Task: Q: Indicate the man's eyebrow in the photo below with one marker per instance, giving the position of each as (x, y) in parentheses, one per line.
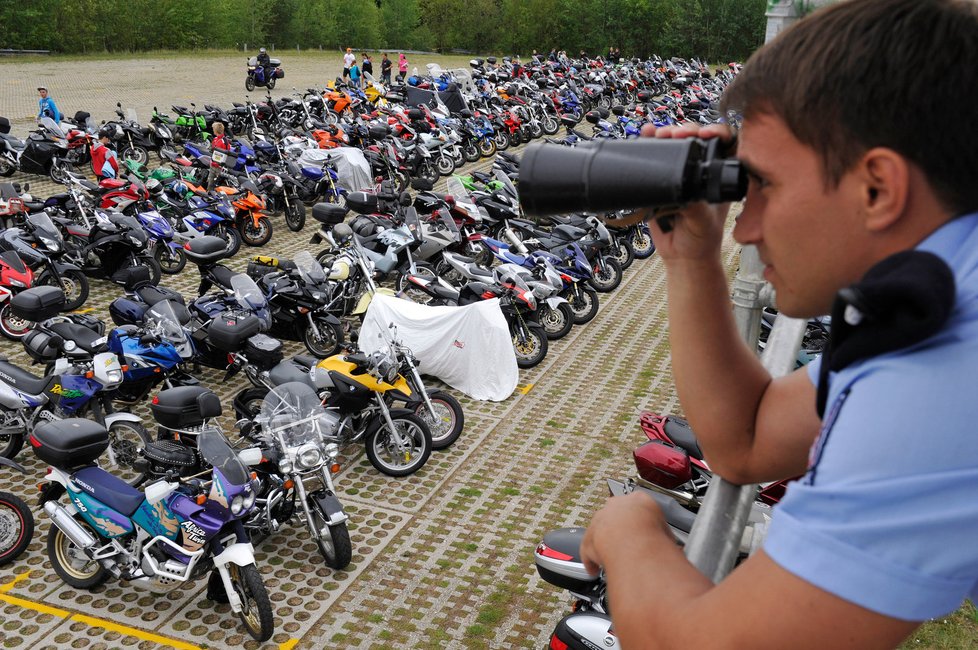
(752, 169)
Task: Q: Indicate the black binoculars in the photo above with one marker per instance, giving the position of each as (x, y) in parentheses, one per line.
(622, 174)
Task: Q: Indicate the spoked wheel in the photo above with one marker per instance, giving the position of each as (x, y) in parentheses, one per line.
(583, 303)
(531, 347)
(295, 215)
(16, 527)
(642, 242)
(13, 327)
(126, 439)
(402, 451)
(324, 344)
(556, 321)
(333, 541)
(607, 274)
(256, 234)
(171, 260)
(446, 422)
(256, 608)
(71, 563)
(73, 283)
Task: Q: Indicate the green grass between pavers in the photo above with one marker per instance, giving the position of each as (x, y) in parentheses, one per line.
(957, 631)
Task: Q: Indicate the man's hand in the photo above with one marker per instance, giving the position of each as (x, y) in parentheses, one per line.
(698, 231)
(624, 523)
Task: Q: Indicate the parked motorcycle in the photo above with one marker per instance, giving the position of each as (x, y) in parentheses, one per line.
(16, 521)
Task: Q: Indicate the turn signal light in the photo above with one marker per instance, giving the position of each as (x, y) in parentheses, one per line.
(288, 485)
(334, 468)
(201, 499)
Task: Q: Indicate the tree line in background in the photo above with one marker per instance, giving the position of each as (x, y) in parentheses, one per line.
(718, 30)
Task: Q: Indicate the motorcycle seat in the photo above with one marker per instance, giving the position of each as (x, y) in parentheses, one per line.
(171, 453)
(23, 380)
(305, 360)
(222, 275)
(110, 490)
(112, 183)
(680, 433)
(287, 371)
(81, 335)
(15, 143)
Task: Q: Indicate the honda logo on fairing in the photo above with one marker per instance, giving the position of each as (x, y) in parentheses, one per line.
(7, 378)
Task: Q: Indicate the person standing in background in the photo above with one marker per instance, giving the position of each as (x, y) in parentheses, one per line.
(348, 60)
(368, 65)
(385, 69)
(47, 107)
(402, 66)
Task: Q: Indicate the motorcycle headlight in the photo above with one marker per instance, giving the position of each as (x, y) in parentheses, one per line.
(135, 240)
(285, 465)
(318, 296)
(249, 499)
(51, 244)
(237, 505)
(114, 376)
(309, 456)
(331, 451)
(17, 283)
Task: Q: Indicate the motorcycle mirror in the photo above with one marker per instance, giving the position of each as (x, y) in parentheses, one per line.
(119, 104)
(27, 187)
(146, 339)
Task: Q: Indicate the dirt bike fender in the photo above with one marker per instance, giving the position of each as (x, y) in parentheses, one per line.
(240, 553)
(398, 412)
(112, 418)
(331, 507)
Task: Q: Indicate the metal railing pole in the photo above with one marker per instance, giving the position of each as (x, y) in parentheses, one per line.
(715, 539)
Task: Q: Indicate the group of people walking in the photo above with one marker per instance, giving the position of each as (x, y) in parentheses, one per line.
(355, 72)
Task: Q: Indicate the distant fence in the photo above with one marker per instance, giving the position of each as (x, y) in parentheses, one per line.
(10, 52)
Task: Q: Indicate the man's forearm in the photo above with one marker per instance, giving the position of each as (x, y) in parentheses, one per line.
(719, 380)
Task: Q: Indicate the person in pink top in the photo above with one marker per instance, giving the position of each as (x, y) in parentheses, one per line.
(401, 67)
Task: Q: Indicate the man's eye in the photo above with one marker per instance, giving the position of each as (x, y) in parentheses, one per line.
(760, 182)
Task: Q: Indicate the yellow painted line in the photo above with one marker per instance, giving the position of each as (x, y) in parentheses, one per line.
(10, 585)
(83, 311)
(288, 645)
(132, 631)
(526, 389)
(37, 607)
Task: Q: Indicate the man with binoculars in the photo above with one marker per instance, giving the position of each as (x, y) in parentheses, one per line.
(863, 202)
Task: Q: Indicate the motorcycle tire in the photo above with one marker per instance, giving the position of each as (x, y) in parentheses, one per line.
(13, 327)
(429, 172)
(584, 306)
(534, 349)
(230, 235)
(446, 423)
(624, 253)
(608, 278)
(326, 257)
(445, 165)
(471, 153)
(295, 215)
(536, 130)
(155, 273)
(10, 444)
(70, 562)
(58, 171)
(408, 290)
(16, 535)
(249, 84)
(136, 154)
(126, 440)
(256, 235)
(271, 84)
(73, 283)
(502, 140)
(386, 454)
(7, 168)
(171, 260)
(487, 148)
(557, 323)
(327, 343)
(247, 403)
(642, 242)
(551, 125)
(256, 608)
(333, 541)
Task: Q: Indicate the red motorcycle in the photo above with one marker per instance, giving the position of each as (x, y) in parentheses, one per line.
(15, 276)
(122, 194)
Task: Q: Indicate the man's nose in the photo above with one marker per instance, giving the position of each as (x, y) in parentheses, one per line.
(747, 227)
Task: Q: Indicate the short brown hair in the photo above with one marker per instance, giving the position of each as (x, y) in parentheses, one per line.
(876, 73)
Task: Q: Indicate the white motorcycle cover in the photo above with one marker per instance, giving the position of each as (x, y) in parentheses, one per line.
(351, 166)
(469, 348)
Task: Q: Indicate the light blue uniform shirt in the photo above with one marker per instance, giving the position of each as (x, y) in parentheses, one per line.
(887, 515)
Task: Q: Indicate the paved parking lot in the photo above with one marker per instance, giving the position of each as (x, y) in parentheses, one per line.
(441, 559)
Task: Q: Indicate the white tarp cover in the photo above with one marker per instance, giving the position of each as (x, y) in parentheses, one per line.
(469, 348)
(351, 166)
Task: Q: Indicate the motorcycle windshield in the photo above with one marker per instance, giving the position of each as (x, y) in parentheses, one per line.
(295, 412)
(217, 453)
(43, 225)
(511, 274)
(507, 184)
(309, 269)
(51, 127)
(247, 293)
(162, 318)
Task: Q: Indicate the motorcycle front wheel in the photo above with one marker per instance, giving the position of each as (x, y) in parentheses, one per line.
(400, 452)
(328, 341)
(584, 304)
(557, 322)
(642, 242)
(502, 139)
(16, 527)
(487, 147)
(446, 422)
(445, 165)
(59, 171)
(533, 348)
(171, 260)
(249, 84)
(607, 275)
(295, 215)
(256, 608)
(333, 541)
(73, 283)
(471, 153)
(256, 235)
(135, 153)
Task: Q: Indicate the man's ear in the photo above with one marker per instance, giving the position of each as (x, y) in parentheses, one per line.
(884, 177)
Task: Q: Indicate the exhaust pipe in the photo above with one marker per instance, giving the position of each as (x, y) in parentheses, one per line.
(67, 524)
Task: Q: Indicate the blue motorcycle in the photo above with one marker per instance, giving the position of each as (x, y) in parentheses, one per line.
(167, 252)
(169, 536)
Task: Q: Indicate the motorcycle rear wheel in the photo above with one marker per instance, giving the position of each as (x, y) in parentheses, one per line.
(16, 527)
(10, 444)
(271, 83)
(171, 260)
(391, 454)
(73, 283)
(230, 235)
(155, 273)
(7, 168)
(333, 541)
(256, 608)
(247, 403)
(126, 439)
(70, 562)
